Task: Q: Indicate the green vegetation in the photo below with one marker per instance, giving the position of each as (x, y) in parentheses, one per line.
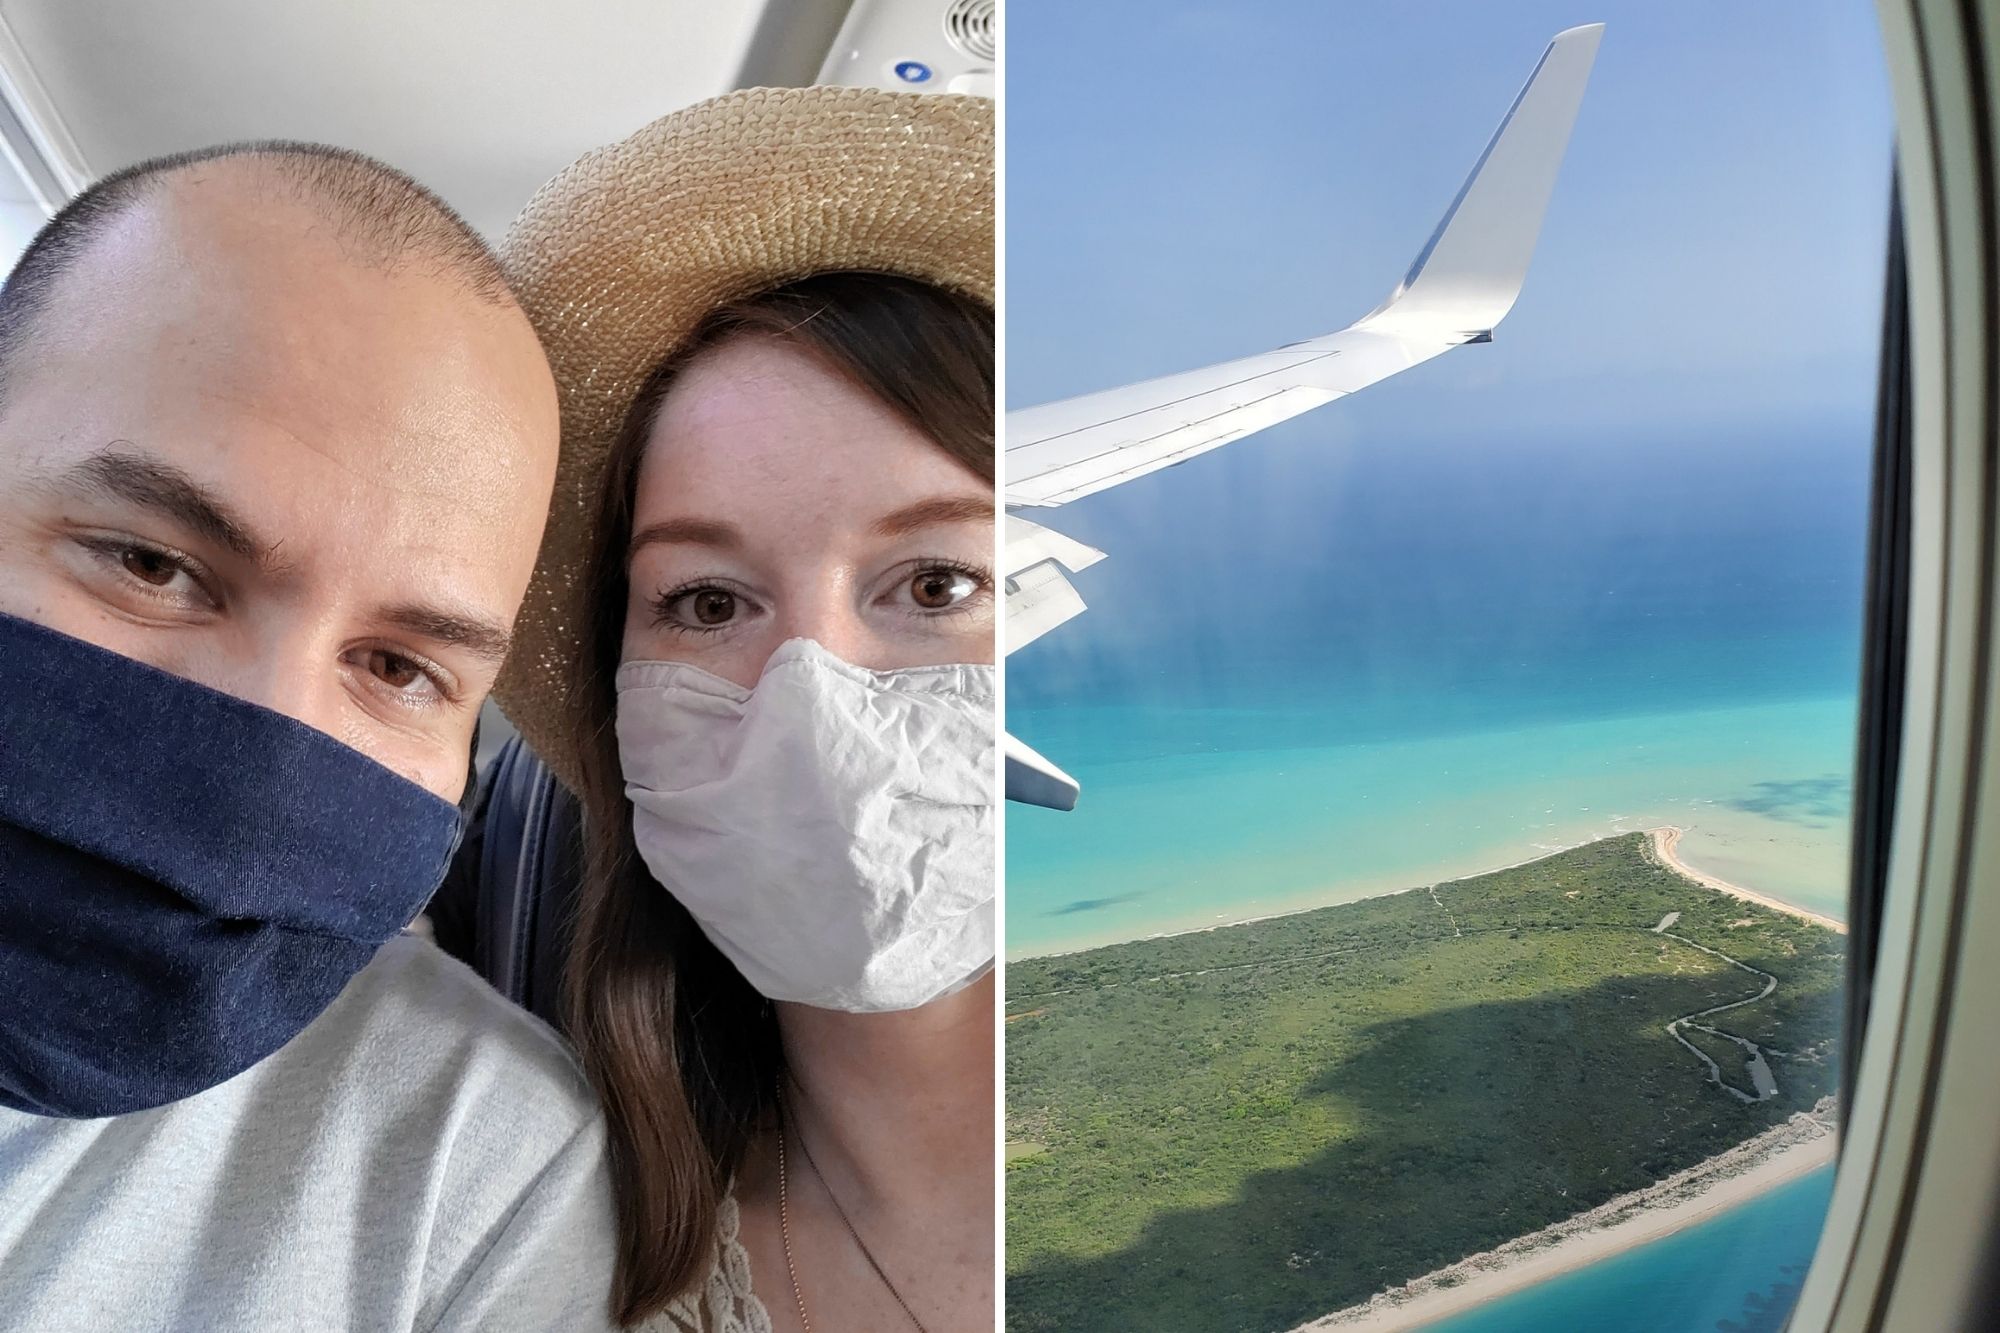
(1245, 1128)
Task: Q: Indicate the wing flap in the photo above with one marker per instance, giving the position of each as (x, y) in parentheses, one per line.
(1039, 595)
(1039, 598)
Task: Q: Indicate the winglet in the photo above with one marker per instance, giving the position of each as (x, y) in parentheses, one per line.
(1468, 274)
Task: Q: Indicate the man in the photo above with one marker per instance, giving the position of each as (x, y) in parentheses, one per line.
(276, 447)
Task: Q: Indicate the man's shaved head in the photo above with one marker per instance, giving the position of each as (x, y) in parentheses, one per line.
(270, 420)
(382, 217)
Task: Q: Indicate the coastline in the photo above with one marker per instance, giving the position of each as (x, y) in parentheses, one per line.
(1665, 842)
(1804, 1143)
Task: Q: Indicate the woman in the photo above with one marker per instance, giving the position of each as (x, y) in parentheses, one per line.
(759, 647)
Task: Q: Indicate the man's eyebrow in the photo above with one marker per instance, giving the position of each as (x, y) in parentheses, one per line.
(476, 634)
(688, 532)
(926, 513)
(129, 475)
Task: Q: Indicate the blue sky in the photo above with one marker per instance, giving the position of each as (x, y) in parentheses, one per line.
(1191, 183)
(1187, 183)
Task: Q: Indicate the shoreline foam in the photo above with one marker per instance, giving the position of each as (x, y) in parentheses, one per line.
(1802, 1144)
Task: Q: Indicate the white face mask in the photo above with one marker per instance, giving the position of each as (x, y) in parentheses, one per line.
(831, 830)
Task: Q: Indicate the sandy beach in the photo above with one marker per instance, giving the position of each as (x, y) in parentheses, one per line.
(1803, 1143)
(1666, 842)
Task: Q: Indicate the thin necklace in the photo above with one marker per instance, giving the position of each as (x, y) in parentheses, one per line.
(785, 1228)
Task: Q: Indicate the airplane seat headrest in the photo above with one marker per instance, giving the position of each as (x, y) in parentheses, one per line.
(523, 893)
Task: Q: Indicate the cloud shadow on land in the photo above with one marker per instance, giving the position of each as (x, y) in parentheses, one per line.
(1469, 1126)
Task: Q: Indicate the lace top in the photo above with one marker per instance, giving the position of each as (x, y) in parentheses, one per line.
(723, 1303)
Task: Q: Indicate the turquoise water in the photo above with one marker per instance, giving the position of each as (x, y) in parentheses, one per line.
(1738, 1272)
(1401, 666)
(1267, 820)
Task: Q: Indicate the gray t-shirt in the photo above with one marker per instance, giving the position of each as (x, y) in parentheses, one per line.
(425, 1156)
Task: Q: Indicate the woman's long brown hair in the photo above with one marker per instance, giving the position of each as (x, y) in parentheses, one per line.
(683, 1053)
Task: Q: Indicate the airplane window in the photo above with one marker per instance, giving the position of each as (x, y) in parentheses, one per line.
(1448, 930)
(20, 215)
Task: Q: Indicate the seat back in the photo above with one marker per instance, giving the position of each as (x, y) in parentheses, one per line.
(516, 884)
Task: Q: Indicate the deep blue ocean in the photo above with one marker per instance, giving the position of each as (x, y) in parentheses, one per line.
(1324, 671)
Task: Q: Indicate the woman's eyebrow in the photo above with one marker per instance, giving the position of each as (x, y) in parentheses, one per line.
(687, 532)
(927, 513)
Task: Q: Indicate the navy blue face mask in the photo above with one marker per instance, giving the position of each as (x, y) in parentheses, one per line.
(186, 880)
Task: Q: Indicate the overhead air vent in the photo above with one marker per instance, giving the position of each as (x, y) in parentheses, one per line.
(915, 46)
(968, 26)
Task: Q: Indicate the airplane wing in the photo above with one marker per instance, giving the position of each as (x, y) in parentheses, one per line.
(1464, 281)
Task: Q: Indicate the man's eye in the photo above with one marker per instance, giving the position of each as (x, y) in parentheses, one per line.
(149, 566)
(395, 670)
(405, 679)
(941, 589)
(156, 573)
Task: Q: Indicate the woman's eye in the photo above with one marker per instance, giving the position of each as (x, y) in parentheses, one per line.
(712, 606)
(941, 589)
(699, 610)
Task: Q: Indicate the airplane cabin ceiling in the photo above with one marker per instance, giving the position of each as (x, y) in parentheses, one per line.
(481, 101)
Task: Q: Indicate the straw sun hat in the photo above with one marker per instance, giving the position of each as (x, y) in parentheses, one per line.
(620, 257)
